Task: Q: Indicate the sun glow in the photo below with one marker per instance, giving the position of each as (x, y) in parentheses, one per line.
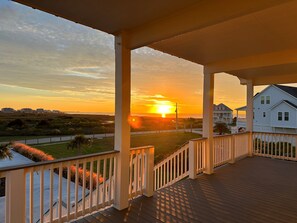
(163, 107)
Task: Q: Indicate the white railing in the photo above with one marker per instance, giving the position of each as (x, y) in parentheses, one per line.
(222, 149)
(274, 145)
(59, 190)
(196, 157)
(141, 161)
(241, 144)
(63, 190)
(176, 166)
(172, 169)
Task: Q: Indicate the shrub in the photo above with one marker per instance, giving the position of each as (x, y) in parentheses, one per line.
(31, 153)
(18, 123)
(38, 155)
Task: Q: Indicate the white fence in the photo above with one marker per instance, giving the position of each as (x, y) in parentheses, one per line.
(62, 190)
(140, 167)
(172, 169)
(274, 145)
(189, 160)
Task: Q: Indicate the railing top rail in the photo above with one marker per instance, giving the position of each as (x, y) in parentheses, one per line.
(234, 134)
(141, 147)
(30, 165)
(197, 139)
(274, 133)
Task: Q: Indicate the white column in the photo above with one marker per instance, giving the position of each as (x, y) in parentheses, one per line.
(15, 196)
(122, 113)
(208, 94)
(250, 113)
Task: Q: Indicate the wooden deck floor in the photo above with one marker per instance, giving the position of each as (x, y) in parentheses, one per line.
(251, 190)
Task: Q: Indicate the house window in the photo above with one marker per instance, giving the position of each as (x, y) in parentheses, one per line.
(268, 100)
(280, 116)
(264, 114)
(262, 100)
(286, 116)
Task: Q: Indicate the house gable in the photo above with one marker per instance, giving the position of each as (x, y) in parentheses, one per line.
(284, 115)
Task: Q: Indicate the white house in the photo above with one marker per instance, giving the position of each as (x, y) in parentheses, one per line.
(275, 110)
(222, 113)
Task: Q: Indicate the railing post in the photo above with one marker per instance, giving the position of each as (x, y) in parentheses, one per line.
(15, 196)
(149, 174)
(250, 144)
(232, 160)
(192, 160)
(296, 147)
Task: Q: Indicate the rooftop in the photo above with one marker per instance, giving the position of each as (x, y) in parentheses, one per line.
(289, 89)
(252, 190)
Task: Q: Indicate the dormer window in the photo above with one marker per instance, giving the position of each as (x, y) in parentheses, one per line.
(262, 100)
(279, 116)
(268, 100)
(286, 118)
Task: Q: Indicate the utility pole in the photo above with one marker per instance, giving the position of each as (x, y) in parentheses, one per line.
(176, 117)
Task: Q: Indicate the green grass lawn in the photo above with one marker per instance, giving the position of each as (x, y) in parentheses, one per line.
(165, 144)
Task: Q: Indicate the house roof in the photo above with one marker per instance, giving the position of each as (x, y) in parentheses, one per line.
(286, 102)
(243, 108)
(221, 105)
(253, 40)
(289, 89)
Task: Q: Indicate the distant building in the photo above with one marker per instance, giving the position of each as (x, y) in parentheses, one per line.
(222, 113)
(275, 110)
(8, 110)
(40, 110)
(27, 110)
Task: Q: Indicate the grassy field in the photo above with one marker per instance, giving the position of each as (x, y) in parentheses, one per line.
(165, 144)
(22, 124)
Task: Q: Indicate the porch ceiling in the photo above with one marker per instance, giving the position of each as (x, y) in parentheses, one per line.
(249, 39)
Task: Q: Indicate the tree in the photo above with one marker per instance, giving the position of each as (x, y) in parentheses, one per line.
(5, 151)
(78, 142)
(221, 128)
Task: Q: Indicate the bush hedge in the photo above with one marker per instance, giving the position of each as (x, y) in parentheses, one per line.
(37, 156)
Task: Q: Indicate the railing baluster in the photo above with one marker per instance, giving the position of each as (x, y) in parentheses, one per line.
(41, 198)
(76, 188)
(31, 188)
(60, 193)
(51, 192)
(104, 182)
(97, 184)
(84, 188)
(91, 186)
(136, 172)
(142, 171)
(131, 172)
(110, 179)
(68, 190)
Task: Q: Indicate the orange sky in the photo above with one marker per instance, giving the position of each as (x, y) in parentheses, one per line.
(52, 63)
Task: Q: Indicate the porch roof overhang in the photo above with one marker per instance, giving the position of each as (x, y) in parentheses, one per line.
(253, 40)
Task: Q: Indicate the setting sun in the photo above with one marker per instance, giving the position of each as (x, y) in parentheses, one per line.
(163, 108)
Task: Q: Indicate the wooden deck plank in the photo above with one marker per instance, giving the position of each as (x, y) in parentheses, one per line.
(252, 190)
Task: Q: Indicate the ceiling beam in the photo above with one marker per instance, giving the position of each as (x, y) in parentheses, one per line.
(198, 16)
(272, 79)
(254, 61)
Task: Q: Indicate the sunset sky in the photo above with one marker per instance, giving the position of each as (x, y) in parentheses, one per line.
(52, 63)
